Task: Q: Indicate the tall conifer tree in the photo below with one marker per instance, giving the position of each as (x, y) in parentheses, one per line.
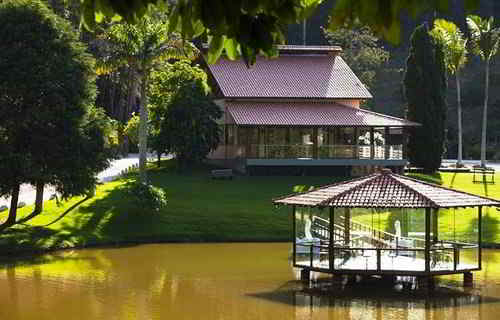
(425, 90)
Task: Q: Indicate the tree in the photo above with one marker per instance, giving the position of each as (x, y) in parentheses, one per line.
(425, 91)
(47, 86)
(165, 83)
(142, 48)
(252, 27)
(189, 128)
(361, 51)
(485, 38)
(455, 49)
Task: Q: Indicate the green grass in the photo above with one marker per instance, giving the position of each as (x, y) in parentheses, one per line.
(199, 209)
(202, 209)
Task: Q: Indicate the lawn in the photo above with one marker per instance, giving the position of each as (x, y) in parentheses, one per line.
(199, 209)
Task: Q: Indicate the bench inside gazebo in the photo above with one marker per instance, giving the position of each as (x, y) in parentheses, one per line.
(386, 224)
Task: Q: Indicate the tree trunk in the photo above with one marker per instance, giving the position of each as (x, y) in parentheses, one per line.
(158, 154)
(143, 130)
(38, 204)
(485, 115)
(11, 219)
(459, 117)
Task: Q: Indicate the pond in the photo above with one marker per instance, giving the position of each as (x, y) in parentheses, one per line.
(220, 281)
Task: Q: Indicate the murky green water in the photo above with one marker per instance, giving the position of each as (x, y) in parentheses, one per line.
(219, 281)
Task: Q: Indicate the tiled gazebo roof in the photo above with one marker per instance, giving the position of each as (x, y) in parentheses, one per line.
(308, 114)
(386, 190)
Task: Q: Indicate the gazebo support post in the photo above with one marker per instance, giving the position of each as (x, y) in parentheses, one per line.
(427, 239)
(479, 236)
(294, 235)
(331, 255)
(387, 148)
(468, 279)
(347, 226)
(435, 225)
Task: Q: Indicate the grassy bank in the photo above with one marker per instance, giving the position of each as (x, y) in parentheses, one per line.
(199, 209)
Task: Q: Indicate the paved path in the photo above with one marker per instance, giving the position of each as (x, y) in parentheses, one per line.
(28, 192)
(494, 165)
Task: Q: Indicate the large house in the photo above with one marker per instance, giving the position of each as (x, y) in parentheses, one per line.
(300, 114)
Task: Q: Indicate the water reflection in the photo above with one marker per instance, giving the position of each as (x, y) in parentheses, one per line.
(219, 281)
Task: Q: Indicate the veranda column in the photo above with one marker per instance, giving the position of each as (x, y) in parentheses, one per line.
(315, 143)
(372, 143)
(387, 148)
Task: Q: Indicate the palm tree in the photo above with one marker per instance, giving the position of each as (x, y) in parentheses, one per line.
(485, 39)
(142, 48)
(455, 47)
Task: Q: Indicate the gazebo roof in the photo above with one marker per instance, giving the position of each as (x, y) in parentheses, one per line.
(385, 190)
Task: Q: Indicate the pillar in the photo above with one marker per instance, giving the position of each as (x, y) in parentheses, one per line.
(305, 274)
(468, 279)
(294, 228)
(331, 253)
(315, 143)
(387, 147)
(372, 143)
(435, 224)
(479, 236)
(427, 238)
(347, 226)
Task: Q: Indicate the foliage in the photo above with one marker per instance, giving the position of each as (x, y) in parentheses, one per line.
(48, 86)
(164, 84)
(484, 36)
(455, 54)
(146, 196)
(425, 89)
(189, 128)
(361, 50)
(132, 129)
(485, 39)
(142, 48)
(252, 27)
(454, 42)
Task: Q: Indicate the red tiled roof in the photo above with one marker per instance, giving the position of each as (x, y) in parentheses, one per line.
(386, 190)
(308, 114)
(320, 76)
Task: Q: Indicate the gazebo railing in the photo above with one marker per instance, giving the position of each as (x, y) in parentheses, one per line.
(441, 259)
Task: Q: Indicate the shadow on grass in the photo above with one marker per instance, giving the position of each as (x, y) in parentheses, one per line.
(66, 212)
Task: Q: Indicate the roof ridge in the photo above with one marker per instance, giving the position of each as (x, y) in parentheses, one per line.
(412, 189)
(446, 188)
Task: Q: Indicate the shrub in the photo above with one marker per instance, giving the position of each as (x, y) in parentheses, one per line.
(147, 196)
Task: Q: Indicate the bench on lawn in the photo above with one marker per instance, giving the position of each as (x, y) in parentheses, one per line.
(222, 174)
(483, 174)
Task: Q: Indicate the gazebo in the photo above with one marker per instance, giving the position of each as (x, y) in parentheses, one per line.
(389, 225)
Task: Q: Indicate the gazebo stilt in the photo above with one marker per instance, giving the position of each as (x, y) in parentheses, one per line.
(305, 274)
(426, 283)
(468, 279)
